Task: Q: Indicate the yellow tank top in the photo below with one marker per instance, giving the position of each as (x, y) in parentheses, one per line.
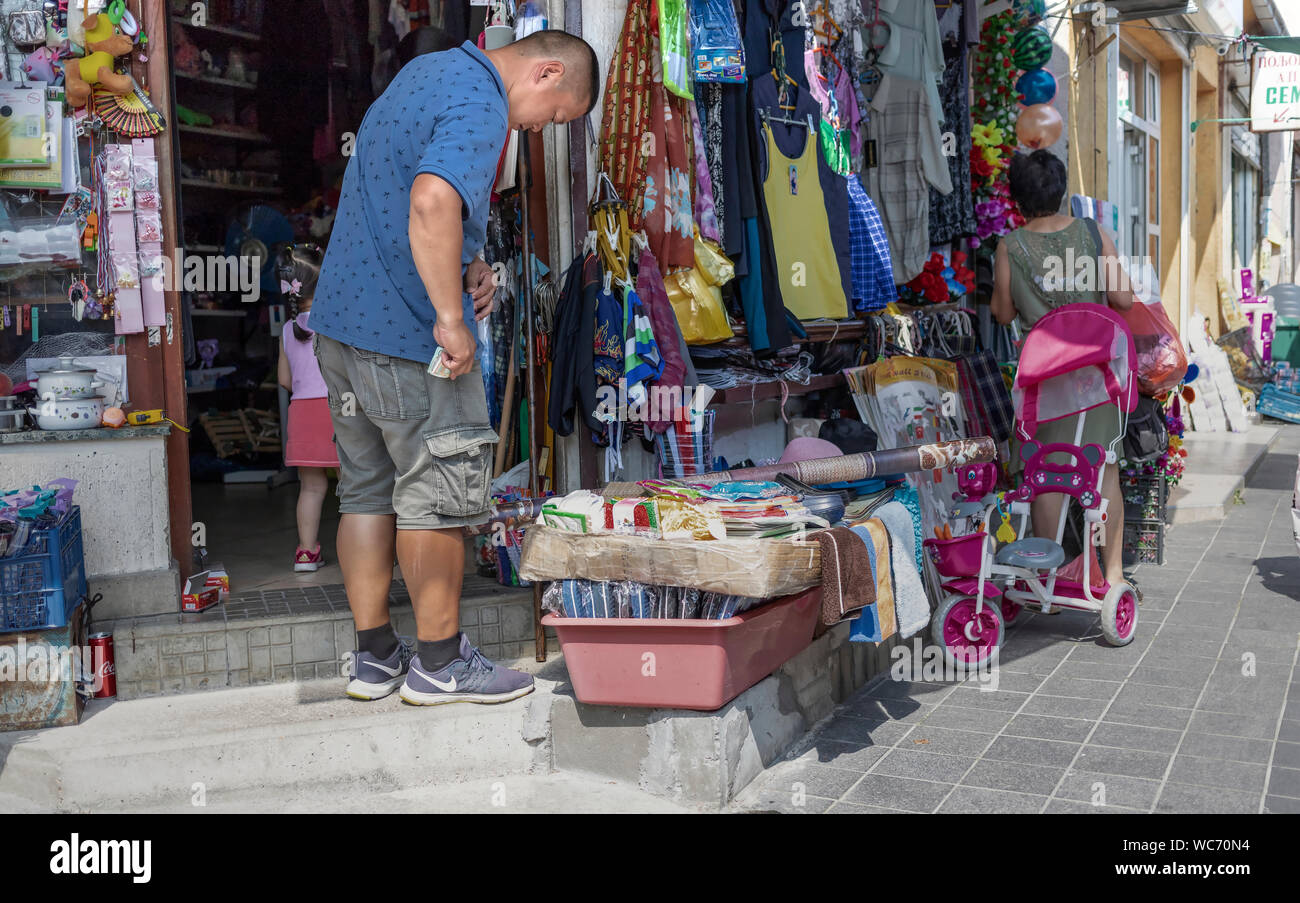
(807, 269)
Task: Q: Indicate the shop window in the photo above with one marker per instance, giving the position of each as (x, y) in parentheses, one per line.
(1245, 228)
(1139, 183)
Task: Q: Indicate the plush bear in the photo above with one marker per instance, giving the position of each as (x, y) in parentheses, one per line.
(96, 67)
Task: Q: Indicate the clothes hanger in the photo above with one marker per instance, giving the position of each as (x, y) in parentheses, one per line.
(785, 120)
(877, 32)
(824, 24)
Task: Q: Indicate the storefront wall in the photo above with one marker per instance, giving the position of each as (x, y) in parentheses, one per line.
(1087, 98)
(1165, 146)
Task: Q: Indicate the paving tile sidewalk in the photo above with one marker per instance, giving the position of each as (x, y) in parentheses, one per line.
(1200, 713)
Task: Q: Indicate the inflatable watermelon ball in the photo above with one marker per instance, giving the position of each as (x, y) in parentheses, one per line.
(1032, 48)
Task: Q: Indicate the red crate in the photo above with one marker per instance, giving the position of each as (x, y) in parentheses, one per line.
(683, 663)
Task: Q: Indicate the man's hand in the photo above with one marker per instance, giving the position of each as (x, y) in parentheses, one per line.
(480, 284)
(458, 345)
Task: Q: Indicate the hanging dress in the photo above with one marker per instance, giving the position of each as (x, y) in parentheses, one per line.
(806, 265)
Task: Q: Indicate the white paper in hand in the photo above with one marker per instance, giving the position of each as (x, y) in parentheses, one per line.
(437, 367)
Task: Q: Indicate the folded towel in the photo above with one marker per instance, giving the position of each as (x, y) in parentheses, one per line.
(848, 576)
(877, 622)
(909, 592)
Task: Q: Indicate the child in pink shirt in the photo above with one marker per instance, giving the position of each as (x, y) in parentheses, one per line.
(310, 443)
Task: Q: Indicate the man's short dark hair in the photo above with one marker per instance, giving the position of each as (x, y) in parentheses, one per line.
(1038, 182)
(581, 68)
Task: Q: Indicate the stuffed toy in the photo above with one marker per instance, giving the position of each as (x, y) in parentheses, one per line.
(96, 68)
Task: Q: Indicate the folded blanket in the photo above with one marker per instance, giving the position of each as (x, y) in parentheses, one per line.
(909, 592)
(877, 622)
(848, 577)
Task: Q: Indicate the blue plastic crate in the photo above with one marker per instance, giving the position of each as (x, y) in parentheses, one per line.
(1276, 403)
(41, 584)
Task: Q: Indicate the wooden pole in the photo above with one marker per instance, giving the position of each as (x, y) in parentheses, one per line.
(530, 385)
(165, 362)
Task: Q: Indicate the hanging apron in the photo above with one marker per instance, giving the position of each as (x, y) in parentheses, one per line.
(801, 236)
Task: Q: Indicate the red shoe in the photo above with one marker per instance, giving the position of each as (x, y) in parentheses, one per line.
(307, 561)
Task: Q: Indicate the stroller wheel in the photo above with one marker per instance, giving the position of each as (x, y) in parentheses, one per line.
(1010, 611)
(1119, 615)
(967, 638)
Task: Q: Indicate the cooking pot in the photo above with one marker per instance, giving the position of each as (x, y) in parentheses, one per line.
(67, 381)
(69, 413)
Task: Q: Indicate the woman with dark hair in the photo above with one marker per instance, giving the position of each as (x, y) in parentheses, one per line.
(309, 444)
(1052, 260)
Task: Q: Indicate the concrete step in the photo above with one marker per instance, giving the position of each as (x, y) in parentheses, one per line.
(1218, 465)
(559, 794)
(289, 635)
(255, 741)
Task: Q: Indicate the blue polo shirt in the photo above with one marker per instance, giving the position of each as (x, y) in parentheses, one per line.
(445, 114)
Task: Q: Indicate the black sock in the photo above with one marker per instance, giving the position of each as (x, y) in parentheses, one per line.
(438, 654)
(381, 642)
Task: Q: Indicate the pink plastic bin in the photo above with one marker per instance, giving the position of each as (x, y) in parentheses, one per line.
(696, 664)
(958, 557)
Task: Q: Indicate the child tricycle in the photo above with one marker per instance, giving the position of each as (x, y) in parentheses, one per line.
(1076, 358)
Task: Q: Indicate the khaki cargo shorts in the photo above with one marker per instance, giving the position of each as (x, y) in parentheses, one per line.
(409, 444)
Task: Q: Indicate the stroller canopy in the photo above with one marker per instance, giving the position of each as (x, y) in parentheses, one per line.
(1077, 357)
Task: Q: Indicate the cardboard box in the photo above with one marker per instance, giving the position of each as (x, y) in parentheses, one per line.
(199, 594)
(218, 577)
(46, 684)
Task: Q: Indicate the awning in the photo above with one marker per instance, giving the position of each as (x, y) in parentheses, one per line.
(1129, 10)
(1282, 43)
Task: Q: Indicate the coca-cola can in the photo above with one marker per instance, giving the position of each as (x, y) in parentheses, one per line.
(104, 664)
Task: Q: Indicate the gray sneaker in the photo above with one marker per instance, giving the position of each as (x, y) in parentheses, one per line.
(470, 678)
(373, 677)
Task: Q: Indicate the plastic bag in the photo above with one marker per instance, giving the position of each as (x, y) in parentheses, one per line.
(718, 53)
(716, 265)
(675, 47)
(1161, 358)
(696, 297)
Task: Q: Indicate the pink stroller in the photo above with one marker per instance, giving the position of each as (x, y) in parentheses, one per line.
(1076, 358)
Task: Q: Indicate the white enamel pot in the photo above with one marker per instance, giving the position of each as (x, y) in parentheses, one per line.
(69, 413)
(67, 381)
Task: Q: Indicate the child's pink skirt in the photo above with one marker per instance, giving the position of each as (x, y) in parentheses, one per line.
(311, 434)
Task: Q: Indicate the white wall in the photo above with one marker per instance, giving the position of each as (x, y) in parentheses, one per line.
(122, 493)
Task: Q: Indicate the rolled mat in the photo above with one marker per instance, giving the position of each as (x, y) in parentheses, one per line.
(867, 465)
(842, 469)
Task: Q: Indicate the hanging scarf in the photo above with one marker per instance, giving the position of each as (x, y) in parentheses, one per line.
(627, 114)
(642, 362)
(669, 214)
(705, 206)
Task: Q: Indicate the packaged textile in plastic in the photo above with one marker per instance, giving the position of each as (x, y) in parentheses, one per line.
(759, 567)
(629, 599)
(717, 50)
(675, 45)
